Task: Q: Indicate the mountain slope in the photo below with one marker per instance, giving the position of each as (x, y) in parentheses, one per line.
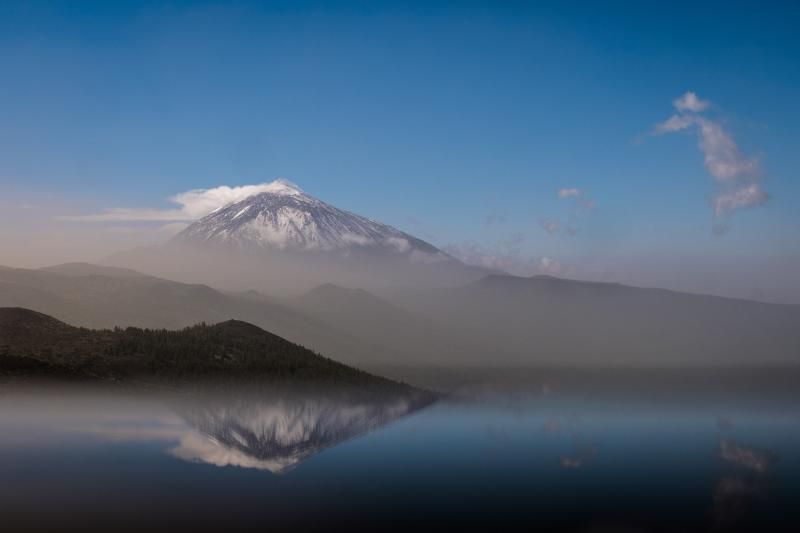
(395, 335)
(20, 327)
(556, 321)
(497, 321)
(89, 269)
(283, 241)
(103, 301)
(351, 325)
(286, 218)
(231, 348)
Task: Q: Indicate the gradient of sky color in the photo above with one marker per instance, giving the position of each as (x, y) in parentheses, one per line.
(458, 122)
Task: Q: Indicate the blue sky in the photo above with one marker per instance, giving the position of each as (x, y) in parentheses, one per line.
(458, 122)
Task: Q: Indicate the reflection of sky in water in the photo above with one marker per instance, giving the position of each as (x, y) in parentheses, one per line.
(547, 462)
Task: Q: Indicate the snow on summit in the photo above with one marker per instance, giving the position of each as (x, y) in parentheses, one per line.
(279, 215)
(281, 186)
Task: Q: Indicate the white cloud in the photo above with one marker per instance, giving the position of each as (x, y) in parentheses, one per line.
(723, 159)
(194, 204)
(749, 196)
(569, 193)
(359, 240)
(166, 230)
(580, 200)
(122, 214)
(548, 265)
(399, 244)
(505, 255)
(673, 124)
(549, 225)
(579, 195)
(735, 173)
(690, 102)
(474, 254)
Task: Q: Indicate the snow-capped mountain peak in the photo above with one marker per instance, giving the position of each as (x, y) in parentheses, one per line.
(281, 240)
(286, 218)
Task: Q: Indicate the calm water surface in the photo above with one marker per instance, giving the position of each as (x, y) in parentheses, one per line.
(512, 460)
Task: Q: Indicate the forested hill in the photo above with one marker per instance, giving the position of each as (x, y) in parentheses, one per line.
(32, 343)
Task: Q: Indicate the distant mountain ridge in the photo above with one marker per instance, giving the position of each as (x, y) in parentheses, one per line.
(578, 322)
(496, 321)
(89, 269)
(103, 297)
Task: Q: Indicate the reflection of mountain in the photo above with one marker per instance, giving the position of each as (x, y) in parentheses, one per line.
(736, 492)
(277, 432)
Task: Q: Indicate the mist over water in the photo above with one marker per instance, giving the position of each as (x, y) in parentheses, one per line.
(533, 456)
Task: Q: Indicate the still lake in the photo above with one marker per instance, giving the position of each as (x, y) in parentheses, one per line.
(523, 459)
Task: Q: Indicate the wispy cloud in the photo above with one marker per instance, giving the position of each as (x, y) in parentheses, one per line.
(549, 225)
(504, 255)
(580, 197)
(193, 205)
(736, 175)
(723, 159)
(580, 201)
(690, 102)
(673, 124)
(508, 256)
(494, 218)
(548, 265)
(569, 193)
(747, 196)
